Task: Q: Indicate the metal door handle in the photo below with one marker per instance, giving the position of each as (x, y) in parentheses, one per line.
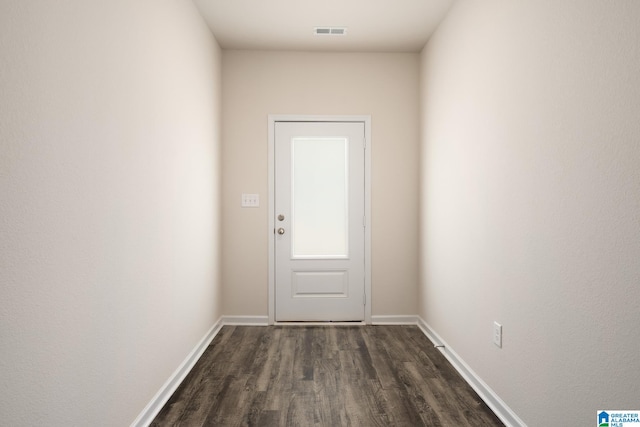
(281, 231)
(280, 217)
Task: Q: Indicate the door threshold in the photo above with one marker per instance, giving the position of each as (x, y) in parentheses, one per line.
(320, 323)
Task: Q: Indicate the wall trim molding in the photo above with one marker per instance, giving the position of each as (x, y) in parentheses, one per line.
(245, 320)
(395, 320)
(493, 401)
(169, 387)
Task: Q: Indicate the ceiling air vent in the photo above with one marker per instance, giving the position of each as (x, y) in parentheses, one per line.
(330, 31)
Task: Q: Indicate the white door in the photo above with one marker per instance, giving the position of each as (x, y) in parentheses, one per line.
(319, 221)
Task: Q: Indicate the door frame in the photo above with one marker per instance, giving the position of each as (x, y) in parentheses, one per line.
(366, 119)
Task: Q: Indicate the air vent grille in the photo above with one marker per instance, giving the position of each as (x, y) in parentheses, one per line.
(330, 31)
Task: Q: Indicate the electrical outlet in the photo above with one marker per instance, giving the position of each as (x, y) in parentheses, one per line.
(497, 334)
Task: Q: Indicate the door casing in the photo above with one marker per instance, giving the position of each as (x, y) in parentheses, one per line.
(366, 119)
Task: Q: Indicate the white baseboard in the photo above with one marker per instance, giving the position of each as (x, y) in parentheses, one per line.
(164, 394)
(246, 320)
(394, 320)
(493, 401)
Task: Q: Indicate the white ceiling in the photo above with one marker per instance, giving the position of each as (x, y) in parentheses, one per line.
(373, 25)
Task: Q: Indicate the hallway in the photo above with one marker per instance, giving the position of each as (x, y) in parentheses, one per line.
(326, 376)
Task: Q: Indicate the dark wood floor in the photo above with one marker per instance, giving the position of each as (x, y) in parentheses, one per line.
(324, 376)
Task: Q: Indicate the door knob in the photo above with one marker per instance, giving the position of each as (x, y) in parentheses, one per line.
(280, 217)
(281, 231)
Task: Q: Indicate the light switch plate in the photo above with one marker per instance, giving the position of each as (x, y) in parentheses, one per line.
(250, 200)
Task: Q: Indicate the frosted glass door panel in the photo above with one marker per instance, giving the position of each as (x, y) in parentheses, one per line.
(320, 198)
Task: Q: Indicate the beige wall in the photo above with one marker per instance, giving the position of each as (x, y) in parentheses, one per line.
(531, 201)
(256, 84)
(109, 190)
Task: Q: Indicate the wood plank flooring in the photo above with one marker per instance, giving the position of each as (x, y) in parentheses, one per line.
(324, 376)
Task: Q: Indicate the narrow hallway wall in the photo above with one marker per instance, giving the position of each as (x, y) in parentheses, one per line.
(109, 204)
(256, 84)
(531, 199)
